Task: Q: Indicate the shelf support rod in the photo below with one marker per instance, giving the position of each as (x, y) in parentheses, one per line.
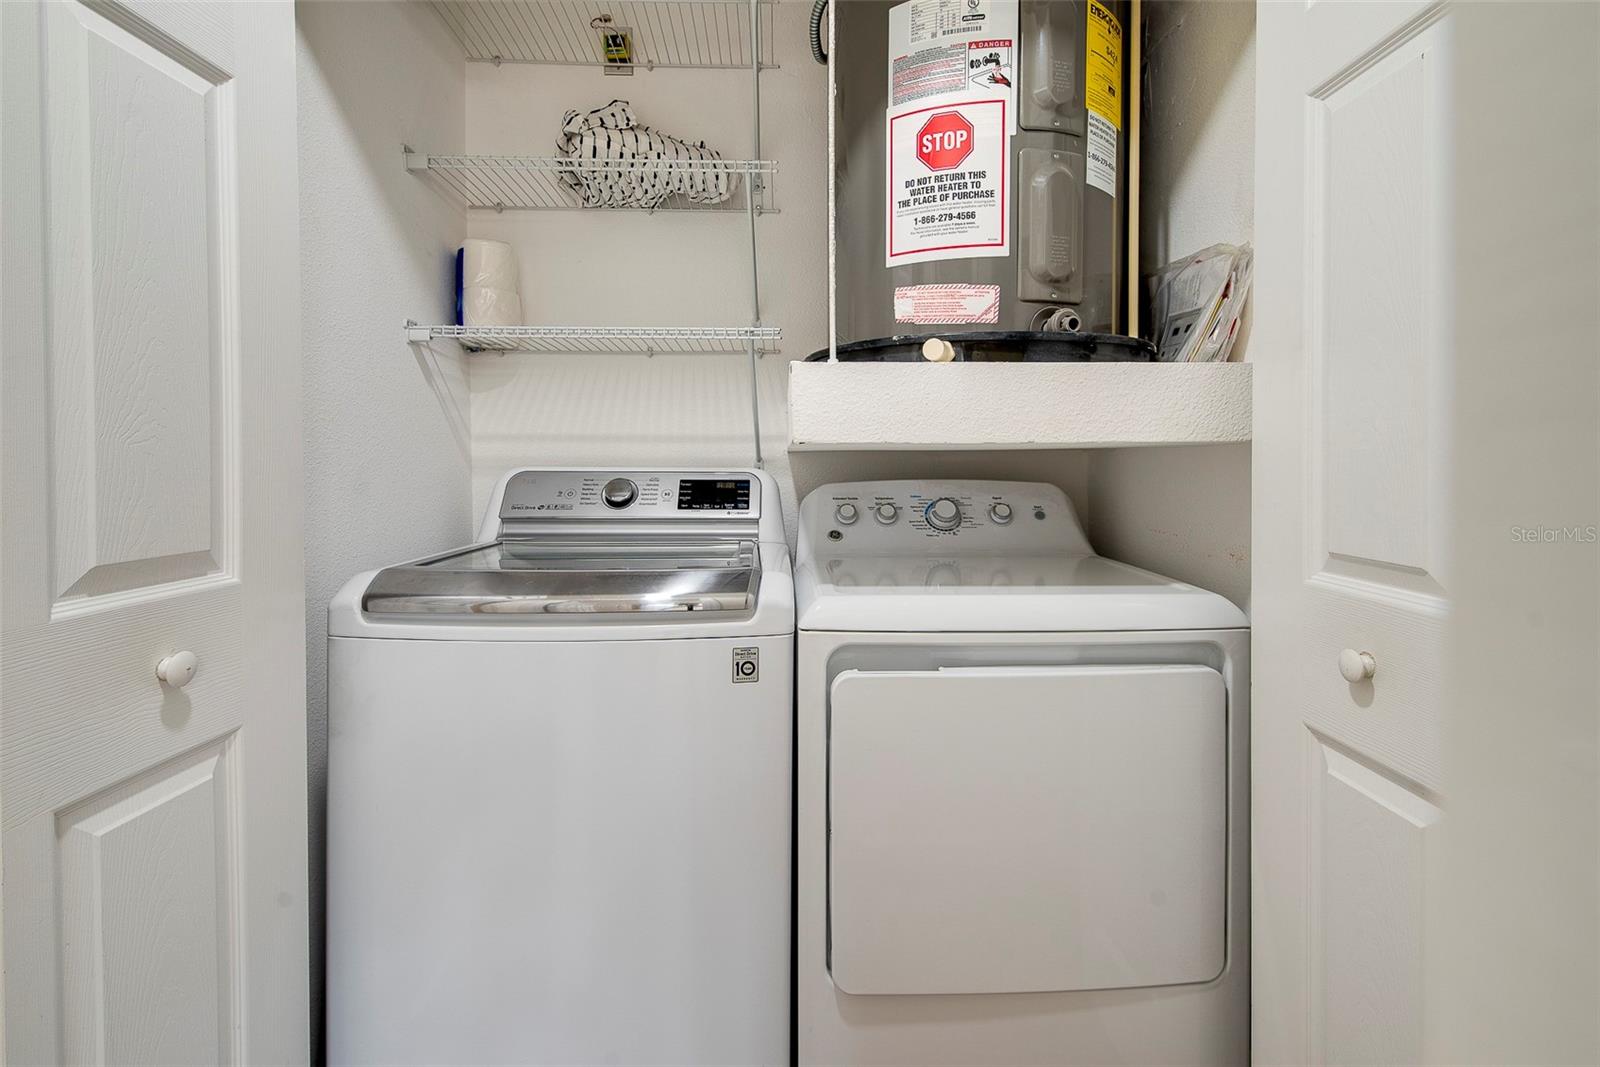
(833, 213)
(750, 189)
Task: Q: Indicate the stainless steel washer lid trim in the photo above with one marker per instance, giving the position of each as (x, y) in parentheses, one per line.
(573, 581)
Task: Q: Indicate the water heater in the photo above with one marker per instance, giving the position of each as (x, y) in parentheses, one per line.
(980, 163)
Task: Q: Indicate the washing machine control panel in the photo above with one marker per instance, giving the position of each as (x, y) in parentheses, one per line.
(618, 495)
(962, 516)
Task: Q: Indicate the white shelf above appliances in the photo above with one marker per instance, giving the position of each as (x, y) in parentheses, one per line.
(714, 34)
(873, 406)
(604, 340)
(540, 183)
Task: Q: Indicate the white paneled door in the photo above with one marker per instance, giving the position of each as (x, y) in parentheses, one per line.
(1351, 587)
(152, 768)
(1423, 587)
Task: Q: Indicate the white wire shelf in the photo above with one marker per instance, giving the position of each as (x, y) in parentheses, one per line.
(603, 340)
(541, 183)
(662, 33)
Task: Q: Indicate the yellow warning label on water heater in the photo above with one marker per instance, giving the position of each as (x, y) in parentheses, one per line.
(1103, 71)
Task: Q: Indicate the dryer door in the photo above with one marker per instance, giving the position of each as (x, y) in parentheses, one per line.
(1009, 830)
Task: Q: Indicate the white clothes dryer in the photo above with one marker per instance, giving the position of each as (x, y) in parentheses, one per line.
(559, 782)
(1022, 790)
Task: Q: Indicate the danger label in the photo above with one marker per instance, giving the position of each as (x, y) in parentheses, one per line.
(945, 305)
(947, 182)
(989, 65)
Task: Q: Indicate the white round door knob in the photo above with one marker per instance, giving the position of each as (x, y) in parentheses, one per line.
(1357, 666)
(177, 669)
(938, 350)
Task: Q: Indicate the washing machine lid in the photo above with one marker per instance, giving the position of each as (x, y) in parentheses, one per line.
(1004, 594)
(573, 580)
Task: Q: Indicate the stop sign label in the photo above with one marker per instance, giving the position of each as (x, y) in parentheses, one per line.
(947, 181)
(945, 141)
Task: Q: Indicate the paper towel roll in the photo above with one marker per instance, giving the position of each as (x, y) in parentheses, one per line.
(481, 306)
(490, 264)
(490, 284)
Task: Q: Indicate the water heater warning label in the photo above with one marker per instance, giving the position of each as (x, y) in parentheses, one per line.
(947, 182)
(951, 113)
(1102, 93)
(944, 305)
(1100, 167)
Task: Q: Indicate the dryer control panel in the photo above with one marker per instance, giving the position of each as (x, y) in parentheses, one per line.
(961, 516)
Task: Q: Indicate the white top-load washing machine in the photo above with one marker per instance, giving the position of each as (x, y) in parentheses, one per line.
(559, 782)
(1022, 790)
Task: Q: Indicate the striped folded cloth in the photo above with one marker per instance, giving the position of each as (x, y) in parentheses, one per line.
(612, 135)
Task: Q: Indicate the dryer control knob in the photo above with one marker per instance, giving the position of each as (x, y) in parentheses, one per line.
(943, 514)
(1000, 513)
(846, 514)
(886, 513)
(619, 493)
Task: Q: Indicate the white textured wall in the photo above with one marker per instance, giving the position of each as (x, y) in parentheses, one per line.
(386, 428)
(1186, 511)
(1183, 512)
(670, 268)
(1199, 127)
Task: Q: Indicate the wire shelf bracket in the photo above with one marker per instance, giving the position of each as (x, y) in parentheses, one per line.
(603, 340)
(541, 183)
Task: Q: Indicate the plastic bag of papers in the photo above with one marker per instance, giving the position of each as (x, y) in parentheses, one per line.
(1196, 304)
